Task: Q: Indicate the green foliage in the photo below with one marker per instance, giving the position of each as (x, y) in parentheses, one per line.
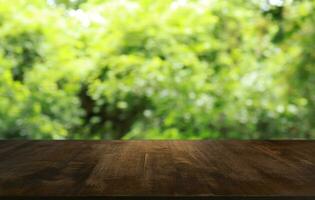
(184, 69)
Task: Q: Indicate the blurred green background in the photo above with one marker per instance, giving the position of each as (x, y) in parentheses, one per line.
(157, 69)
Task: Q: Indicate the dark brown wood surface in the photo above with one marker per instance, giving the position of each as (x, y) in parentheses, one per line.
(160, 169)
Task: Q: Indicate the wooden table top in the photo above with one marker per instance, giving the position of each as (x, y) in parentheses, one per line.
(159, 169)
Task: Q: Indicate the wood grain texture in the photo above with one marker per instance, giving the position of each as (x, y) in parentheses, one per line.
(157, 169)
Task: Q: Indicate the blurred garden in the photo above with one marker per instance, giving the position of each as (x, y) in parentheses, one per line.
(163, 69)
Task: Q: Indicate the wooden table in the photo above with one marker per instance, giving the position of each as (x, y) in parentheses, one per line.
(157, 169)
